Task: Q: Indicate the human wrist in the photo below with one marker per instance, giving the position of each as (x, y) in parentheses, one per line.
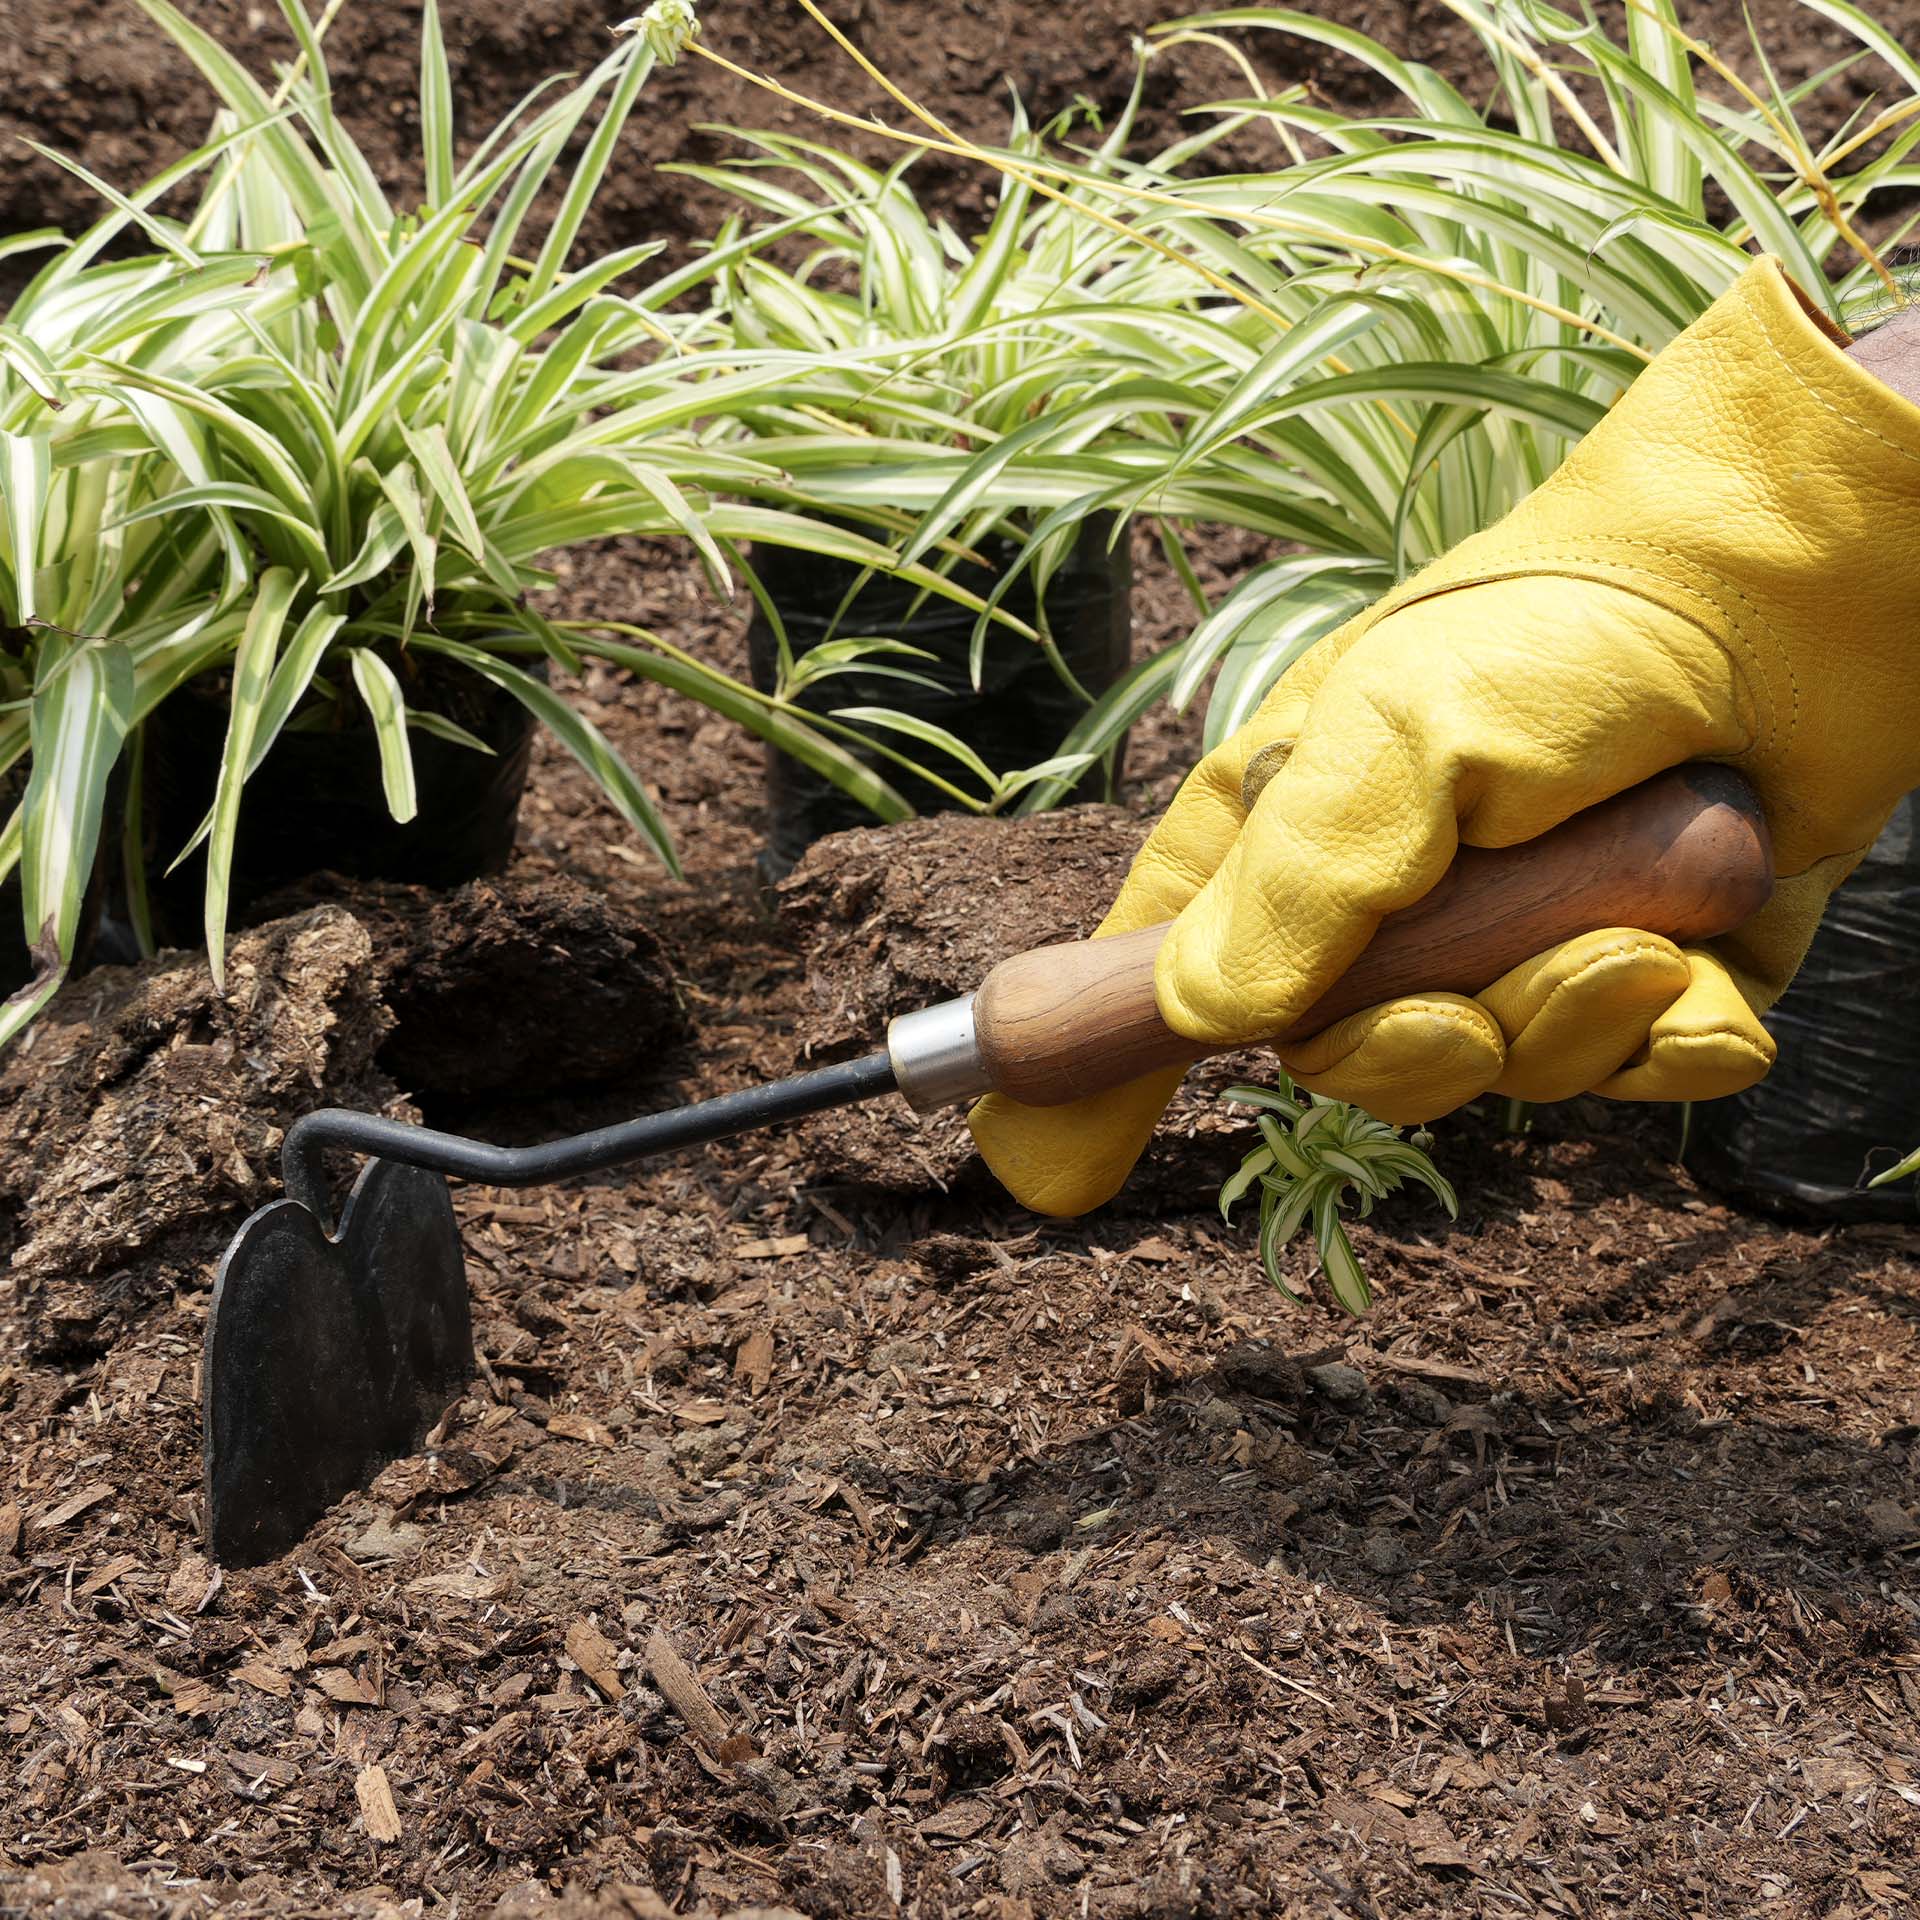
(1891, 353)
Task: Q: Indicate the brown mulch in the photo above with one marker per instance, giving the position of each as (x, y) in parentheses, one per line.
(96, 81)
(846, 1548)
(822, 1534)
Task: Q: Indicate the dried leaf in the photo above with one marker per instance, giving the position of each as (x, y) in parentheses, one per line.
(780, 1249)
(265, 1677)
(104, 1577)
(753, 1361)
(682, 1688)
(189, 1583)
(262, 1768)
(336, 1653)
(348, 1689)
(1830, 1775)
(72, 1509)
(196, 1698)
(480, 1588)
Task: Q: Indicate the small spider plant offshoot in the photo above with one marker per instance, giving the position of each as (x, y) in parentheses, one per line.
(1316, 1156)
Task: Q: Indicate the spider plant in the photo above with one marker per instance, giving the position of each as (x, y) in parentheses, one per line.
(1403, 326)
(923, 346)
(1315, 1157)
(79, 664)
(319, 442)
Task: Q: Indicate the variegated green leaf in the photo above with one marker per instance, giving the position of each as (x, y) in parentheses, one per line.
(387, 708)
(253, 665)
(82, 706)
(26, 472)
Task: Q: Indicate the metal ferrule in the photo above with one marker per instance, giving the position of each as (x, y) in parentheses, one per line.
(936, 1056)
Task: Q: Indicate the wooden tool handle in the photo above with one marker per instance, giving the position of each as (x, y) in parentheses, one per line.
(1684, 854)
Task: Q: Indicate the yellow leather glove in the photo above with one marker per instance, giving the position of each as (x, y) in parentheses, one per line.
(1727, 568)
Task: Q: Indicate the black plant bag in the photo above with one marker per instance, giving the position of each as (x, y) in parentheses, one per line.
(315, 803)
(1018, 717)
(1843, 1099)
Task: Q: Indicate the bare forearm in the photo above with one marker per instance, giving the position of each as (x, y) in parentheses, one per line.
(1892, 353)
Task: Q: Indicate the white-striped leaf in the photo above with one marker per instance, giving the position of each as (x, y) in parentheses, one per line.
(82, 706)
(253, 664)
(387, 708)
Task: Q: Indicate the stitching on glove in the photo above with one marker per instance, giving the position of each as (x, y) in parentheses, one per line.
(1821, 400)
(1554, 562)
(1441, 1010)
(1735, 629)
(1719, 1037)
(1646, 944)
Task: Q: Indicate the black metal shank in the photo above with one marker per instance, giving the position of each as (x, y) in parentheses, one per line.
(303, 1156)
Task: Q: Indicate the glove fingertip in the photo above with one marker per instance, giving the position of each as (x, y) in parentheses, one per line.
(1041, 1163)
(1407, 1061)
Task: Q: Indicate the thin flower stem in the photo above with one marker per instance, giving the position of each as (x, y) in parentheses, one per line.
(1030, 170)
(230, 172)
(1792, 146)
(1879, 124)
(1491, 29)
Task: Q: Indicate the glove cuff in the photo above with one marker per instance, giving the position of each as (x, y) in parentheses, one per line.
(1765, 487)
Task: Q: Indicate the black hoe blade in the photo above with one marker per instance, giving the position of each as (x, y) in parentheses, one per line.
(329, 1355)
(326, 1358)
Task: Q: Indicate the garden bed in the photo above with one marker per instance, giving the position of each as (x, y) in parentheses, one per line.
(822, 1533)
(1022, 1568)
(98, 82)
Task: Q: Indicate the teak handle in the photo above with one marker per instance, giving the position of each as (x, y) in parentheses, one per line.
(1684, 854)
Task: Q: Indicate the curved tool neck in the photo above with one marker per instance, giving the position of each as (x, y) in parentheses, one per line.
(303, 1156)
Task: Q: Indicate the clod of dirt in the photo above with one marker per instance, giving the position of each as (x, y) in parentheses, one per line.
(1384, 1552)
(1345, 1386)
(522, 985)
(147, 1111)
(897, 917)
(1889, 1523)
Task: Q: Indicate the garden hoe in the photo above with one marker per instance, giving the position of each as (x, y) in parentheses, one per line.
(334, 1346)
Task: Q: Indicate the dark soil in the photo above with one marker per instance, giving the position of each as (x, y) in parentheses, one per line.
(521, 985)
(824, 1535)
(95, 80)
(1019, 1568)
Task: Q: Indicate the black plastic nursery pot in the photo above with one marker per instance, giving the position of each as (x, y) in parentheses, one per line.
(1017, 717)
(315, 803)
(1843, 1099)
